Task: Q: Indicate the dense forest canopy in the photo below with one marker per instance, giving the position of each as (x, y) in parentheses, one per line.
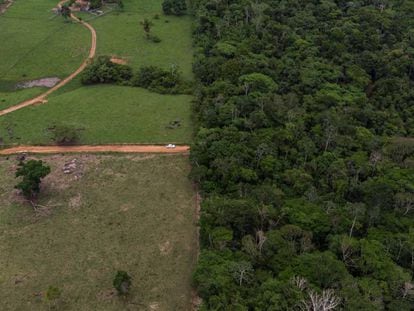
(305, 154)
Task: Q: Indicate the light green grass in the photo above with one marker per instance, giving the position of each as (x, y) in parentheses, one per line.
(36, 44)
(8, 99)
(133, 213)
(122, 35)
(107, 114)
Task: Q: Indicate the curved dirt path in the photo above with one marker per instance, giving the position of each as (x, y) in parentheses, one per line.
(42, 97)
(96, 149)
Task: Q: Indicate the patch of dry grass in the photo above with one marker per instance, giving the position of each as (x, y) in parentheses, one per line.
(134, 213)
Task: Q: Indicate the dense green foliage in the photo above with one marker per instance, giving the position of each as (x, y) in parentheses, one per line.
(158, 80)
(32, 173)
(122, 282)
(303, 155)
(174, 7)
(102, 70)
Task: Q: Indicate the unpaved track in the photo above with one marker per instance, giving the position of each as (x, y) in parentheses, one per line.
(96, 149)
(42, 98)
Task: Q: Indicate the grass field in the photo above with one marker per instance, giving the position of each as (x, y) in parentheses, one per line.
(37, 44)
(105, 114)
(133, 213)
(122, 35)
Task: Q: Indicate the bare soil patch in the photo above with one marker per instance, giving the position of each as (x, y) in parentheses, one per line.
(118, 60)
(44, 82)
(88, 228)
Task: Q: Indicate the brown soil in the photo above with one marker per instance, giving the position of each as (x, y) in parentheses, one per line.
(42, 98)
(96, 149)
(119, 61)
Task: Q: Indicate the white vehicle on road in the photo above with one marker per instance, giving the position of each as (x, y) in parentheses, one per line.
(170, 146)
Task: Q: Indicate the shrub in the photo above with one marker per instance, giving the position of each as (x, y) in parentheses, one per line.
(159, 80)
(64, 134)
(102, 70)
(154, 38)
(32, 173)
(122, 283)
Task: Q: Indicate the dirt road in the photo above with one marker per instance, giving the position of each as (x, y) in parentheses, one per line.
(42, 98)
(96, 149)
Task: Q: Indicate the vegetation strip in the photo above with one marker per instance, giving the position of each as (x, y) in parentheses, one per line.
(94, 149)
(42, 98)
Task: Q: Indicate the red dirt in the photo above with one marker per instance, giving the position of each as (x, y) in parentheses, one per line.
(96, 149)
(42, 98)
(119, 61)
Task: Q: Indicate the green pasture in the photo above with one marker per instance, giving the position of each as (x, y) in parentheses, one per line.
(103, 114)
(133, 213)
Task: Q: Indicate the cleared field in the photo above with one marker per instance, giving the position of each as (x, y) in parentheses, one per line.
(121, 34)
(37, 44)
(104, 114)
(132, 213)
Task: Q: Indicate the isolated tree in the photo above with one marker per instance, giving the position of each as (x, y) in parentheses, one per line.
(122, 283)
(146, 25)
(32, 172)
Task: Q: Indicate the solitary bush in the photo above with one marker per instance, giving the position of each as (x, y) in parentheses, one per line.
(102, 70)
(64, 134)
(122, 283)
(32, 173)
(154, 38)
